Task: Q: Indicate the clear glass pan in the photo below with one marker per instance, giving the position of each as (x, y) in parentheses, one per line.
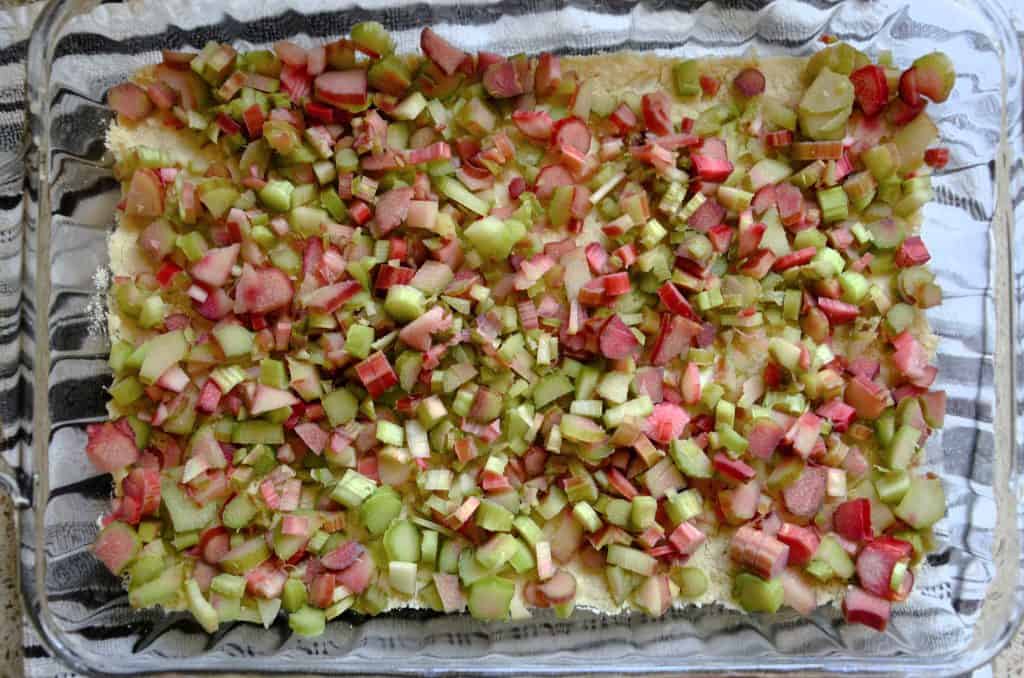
(969, 598)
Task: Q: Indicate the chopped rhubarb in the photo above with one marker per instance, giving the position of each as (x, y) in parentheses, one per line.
(871, 88)
(447, 328)
(764, 555)
(861, 607)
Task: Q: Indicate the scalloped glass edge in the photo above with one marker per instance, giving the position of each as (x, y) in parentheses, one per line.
(685, 641)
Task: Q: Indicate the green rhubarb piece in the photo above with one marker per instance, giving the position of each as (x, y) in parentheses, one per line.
(239, 512)
(266, 611)
(785, 473)
(219, 200)
(245, 557)
(390, 433)
(307, 621)
(141, 430)
(892, 486)
(880, 161)
(854, 286)
(374, 601)
(255, 431)
(689, 458)
(404, 303)
(497, 551)
(643, 512)
(493, 517)
(128, 298)
(820, 570)
(640, 408)
(682, 506)
(119, 354)
(229, 585)
(430, 411)
(581, 429)
(152, 312)
(470, 569)
(686, 77)
(614, 387)
(162, 352)
(620, 583)
(490, 598)
(272, 373)
(408, 367)
(402, 577)
(234, 340)
(402, 541)
(586, 516)
(900, 317)
(261, 458)
(493, 237)
(912, 140)
(428, 548)
(938, 64)
(452, 189)
(305, 220)
(192, 244)
(277, 195)
(126, 391)
(200, 607)
(146, 568)
(478, 119)
(826, 105)
(827, 263)
(294, 596)
(379, 509)
(733, 198)
(149, 530)
(185, 514)
(831, 554)
(765, 172)
(587, 381)
(341, 406)
(711, 394)
(372, 38)
(618, 512)
(692, 581)
(552, 504)
(359, 339)
(550, 389)
(885, 427)
(633, 560)
(924, 504)
(228, 377)
(528, 530)
(560, 205)
(834, 204)
(779, 114)
(411, 107)
(903, 447)
(754, 594)
(785, 353)
(184, 540)
(165, 589)
(286, 259)
(522, 560)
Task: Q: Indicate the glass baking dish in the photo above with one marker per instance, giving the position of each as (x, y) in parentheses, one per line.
(970, 595)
